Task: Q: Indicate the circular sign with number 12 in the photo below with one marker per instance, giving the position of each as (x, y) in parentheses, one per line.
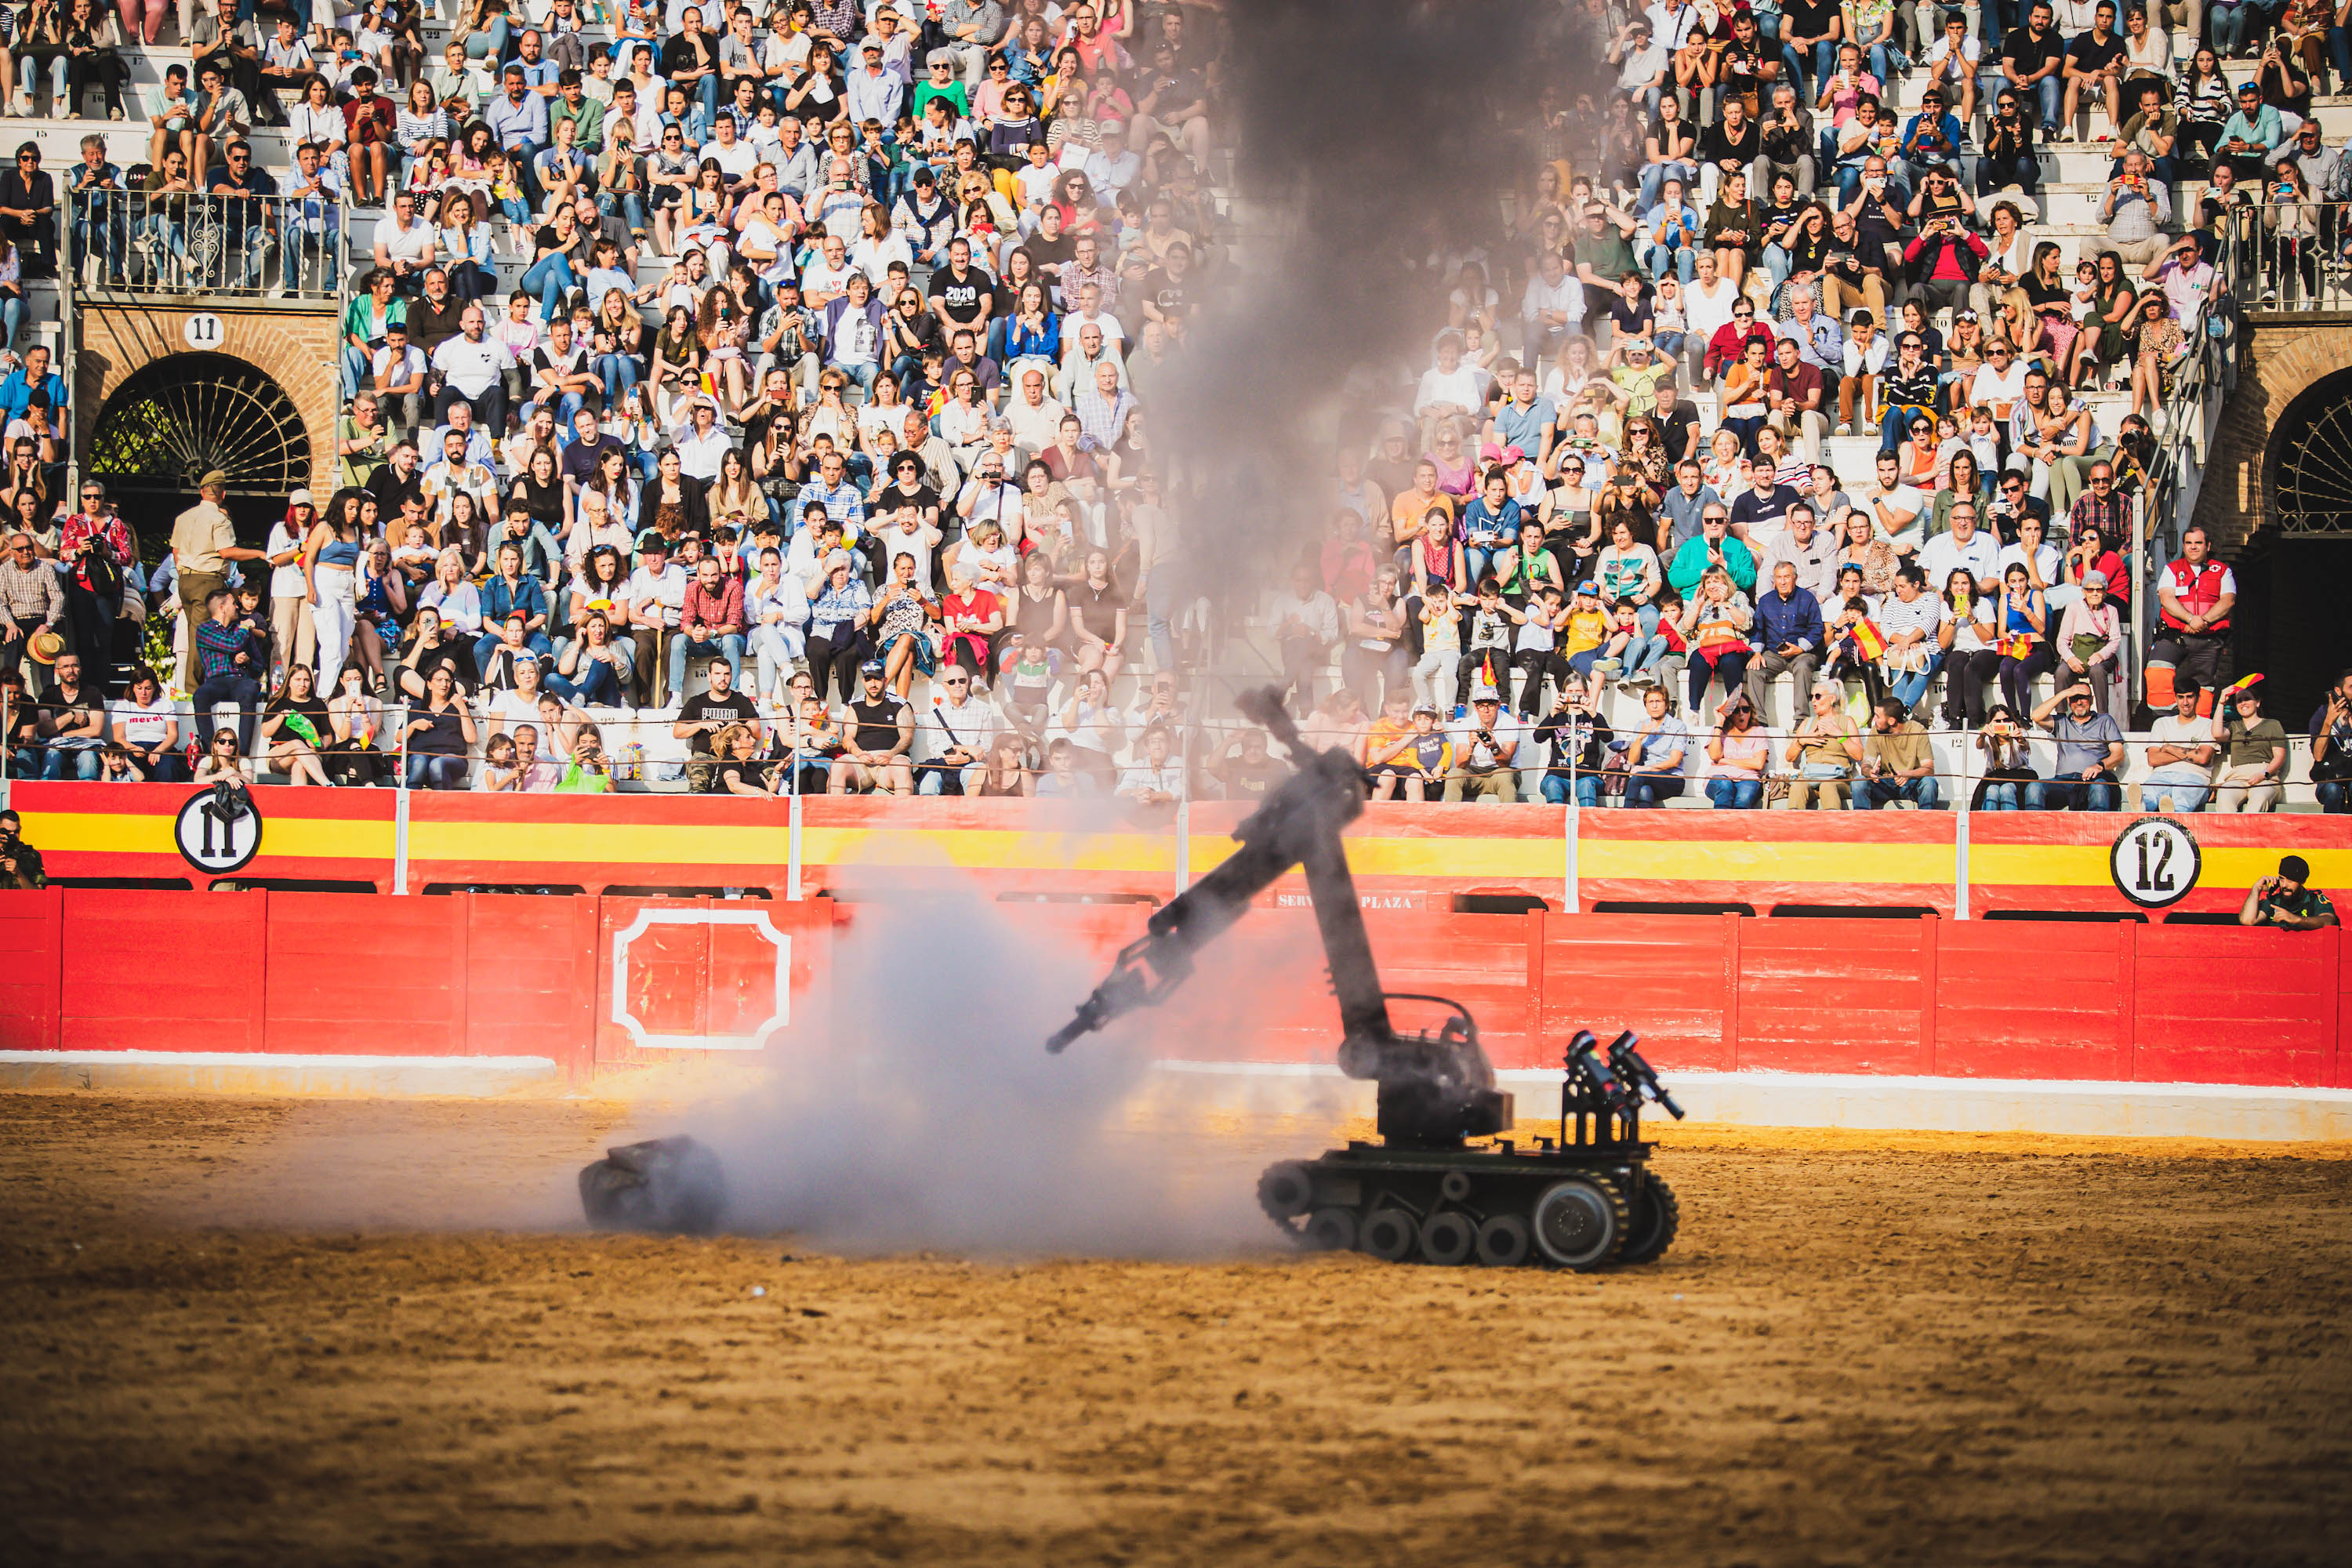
(2155, 862)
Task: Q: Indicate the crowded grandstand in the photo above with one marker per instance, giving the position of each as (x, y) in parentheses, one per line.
(768, 399)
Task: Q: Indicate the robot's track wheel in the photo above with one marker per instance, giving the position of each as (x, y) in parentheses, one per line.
(1390, 1234)
(1579, 1223)
(1331, 1230)
(1655, 1218)
(1504, 1242)
(1448, 1237)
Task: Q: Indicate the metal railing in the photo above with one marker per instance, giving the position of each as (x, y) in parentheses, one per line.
(269, 246)
(2289, 255)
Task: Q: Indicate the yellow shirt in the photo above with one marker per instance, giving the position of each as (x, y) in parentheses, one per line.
(1587, 629)
(199, 535)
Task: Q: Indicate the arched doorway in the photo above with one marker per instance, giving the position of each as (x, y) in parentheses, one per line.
(2294, 576)
(2308, 466)
(178, 417)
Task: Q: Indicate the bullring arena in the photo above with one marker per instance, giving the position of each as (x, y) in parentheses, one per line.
(1951, 1284)
(522, 644)
(1867, 1347)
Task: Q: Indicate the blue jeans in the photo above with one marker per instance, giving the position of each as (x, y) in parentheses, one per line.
(1587, 789)
(2335, 796)
(489, 43)
(77, 761)
(1480, 559)
(1777, 266)
(485, 646)
(1825, 55)
(2004, 795)
(681, 649)
(1736, 795)
(2071, 795)
(1873, 794)
(326, 245)
(597, 685)
(551, 280)
(355, 371)
(433, 770)
(1681, 258)
(2190, 795)
(1640, 654)
(1653, 180)
(632, 207)
(26, 72)
(1908, 690)
(1644, 792)
(619, 374)
(2052, 95)
(2228, 27)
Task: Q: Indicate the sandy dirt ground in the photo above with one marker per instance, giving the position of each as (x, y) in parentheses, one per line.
(234, 1335)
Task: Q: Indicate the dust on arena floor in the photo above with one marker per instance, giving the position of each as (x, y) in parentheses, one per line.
(1864, 1348)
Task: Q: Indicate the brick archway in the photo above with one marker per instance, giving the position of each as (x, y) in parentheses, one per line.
(2277, 365)
(296, 349)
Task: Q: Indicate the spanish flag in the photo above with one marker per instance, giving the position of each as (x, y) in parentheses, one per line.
(1868, 639)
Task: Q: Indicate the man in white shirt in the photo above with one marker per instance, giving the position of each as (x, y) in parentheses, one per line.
(2180, 762)
(1485, 747)
(953, 734)
(1153, 779)
(1552, 309)
(1034, 417)
(736, 158)
(397, 376)
(657, 594)
(874, 91)
(1963, 546)
(403, 247)
(1807, 546)
(701, 444)
(1305, 624)
(1894, 505)
(472, 367)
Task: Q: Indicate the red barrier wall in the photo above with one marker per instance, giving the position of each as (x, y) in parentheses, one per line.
(304, 974)
(32, 947)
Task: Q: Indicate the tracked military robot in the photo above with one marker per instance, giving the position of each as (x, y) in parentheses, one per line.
(1585, 1199)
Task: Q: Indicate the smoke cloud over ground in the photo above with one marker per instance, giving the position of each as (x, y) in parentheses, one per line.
(934, 1119)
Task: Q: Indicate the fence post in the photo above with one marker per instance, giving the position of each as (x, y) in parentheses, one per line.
(400, 822)
(1571, 892)
(1960, 814)
(792, 840)
(1185, 840)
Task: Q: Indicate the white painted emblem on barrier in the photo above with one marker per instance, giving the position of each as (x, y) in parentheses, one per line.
(2155, 862)
(649, 918)
(202, 331)
(218, 829)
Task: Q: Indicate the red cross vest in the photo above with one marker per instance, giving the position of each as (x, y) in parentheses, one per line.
(2199, 589)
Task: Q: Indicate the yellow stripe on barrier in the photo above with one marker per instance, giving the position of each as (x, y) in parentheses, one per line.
(1731, 860)
(981, 848)
(590, 843)
(2087, 865)
(1457, 859)
(297, 837)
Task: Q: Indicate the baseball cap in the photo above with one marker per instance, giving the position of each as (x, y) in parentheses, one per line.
(871, 666)
(870, 47)
(1588, 586)
(1428, 707)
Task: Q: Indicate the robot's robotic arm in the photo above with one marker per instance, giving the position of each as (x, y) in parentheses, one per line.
(1435, 1088)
